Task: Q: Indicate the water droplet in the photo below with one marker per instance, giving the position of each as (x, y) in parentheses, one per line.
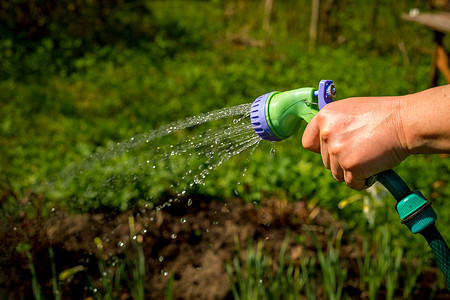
(189, 203)
(173, 236)
(183, 220)
(235, 121)
(120, 244)
(272, 150)
(161, 258)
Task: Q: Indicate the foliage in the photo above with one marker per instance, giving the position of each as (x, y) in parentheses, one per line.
(255, 274)
(77, 77)
(334, 275)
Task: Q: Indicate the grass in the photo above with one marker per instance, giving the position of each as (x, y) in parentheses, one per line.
(382, 271)
(256, 275)
(110, 279)
(206, 55)
(55, 283)
(334, 275)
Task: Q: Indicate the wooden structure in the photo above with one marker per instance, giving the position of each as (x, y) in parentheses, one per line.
(439, 23)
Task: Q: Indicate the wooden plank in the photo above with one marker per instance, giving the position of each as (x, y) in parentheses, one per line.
(439, 21)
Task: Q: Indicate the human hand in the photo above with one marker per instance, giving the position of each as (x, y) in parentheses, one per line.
(358, 138)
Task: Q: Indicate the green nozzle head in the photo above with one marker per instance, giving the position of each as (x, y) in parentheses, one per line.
(284, 111)
(276, 116)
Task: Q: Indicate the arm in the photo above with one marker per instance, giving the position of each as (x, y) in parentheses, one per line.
(426, 118)
(360, 137)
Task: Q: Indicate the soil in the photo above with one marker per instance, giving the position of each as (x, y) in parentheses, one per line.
(188, 244)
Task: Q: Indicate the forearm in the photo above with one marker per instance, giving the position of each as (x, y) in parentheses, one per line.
(425, 119)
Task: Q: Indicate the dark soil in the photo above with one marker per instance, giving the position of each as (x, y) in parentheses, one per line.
(190, 244)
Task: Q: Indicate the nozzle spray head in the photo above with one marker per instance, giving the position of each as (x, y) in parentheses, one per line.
(277, 115)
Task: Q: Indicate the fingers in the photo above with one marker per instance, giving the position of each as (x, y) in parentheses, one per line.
(353, 182)
(324, 153)
(316, 138)
(311, 136)
(337, 171)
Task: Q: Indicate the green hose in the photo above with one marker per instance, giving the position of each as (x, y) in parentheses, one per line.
(440, 249)
(394, 184)
(418, 215)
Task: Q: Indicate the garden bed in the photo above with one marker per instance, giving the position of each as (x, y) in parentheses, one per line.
(185, 248)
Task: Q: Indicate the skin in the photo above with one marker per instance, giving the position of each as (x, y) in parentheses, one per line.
(360, 137)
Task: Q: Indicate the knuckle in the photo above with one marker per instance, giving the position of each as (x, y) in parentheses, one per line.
(326, 134)
(349, 164)
(335, 148)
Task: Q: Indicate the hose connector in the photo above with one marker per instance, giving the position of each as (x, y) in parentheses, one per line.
(416, 212)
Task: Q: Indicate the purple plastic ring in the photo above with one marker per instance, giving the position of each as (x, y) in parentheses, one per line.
(259, 120)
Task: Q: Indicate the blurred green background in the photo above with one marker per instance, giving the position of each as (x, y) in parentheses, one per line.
(77, 76)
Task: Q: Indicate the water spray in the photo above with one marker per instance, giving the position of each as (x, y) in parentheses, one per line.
(276, 116)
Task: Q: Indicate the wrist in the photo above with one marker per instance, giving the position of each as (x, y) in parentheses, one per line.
(425, 121)
(406, 131)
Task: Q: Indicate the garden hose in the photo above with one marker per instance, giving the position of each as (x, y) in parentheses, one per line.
(276, 116)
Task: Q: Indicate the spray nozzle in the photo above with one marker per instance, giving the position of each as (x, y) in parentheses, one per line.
(278, 115)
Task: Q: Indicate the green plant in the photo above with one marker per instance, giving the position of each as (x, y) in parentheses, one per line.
(25, 248)
(380, 265)
(110, 278)
(254, 274)
(410, 278)
(55, 282)
(307, 267)
(392, 275)
(135, 262)
(333, 274)
(169, 289)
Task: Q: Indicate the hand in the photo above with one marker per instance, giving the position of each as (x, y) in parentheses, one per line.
(358, 138)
